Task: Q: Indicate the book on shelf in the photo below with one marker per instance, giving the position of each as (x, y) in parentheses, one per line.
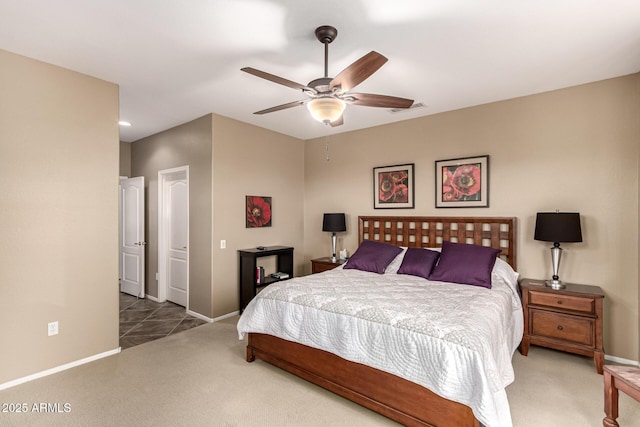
(280, 275)
(259, 275)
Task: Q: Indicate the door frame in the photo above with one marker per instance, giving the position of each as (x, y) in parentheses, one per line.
(165, 176)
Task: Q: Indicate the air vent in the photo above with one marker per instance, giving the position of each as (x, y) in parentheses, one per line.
(415, 106)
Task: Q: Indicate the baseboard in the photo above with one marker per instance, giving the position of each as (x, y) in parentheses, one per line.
(196, 314)
(200, 316)
(621, 360)
(210, 320)
(57, 369)
(226, 316)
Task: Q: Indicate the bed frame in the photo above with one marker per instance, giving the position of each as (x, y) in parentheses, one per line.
(396, 398)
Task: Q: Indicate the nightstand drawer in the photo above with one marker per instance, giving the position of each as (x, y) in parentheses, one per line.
(563, 327)
(319, 265)
(319, 268)
(564, 302)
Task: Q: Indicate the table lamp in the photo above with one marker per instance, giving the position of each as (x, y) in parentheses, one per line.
(334, 222)
(557, 227)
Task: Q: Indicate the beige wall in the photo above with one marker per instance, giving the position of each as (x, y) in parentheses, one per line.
(249, 160)
(233, 159)
(187, 144)
(575, 149)
(125, 159)
(59, 216)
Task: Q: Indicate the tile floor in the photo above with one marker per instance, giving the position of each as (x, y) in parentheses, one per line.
(143, 320)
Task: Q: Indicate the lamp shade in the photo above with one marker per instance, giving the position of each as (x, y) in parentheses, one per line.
(558, 227)
(327, 109)
(334, 222)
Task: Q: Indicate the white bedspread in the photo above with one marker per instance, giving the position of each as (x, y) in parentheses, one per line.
(456, 340)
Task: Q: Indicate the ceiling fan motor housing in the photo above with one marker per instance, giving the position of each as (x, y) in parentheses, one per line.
(326, 33)
(321, 85)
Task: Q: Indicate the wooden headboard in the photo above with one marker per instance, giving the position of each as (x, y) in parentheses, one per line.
(431, 231)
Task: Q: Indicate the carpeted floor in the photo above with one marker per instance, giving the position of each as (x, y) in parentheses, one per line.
(200, 378)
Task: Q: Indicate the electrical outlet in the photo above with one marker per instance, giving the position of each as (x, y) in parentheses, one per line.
(52, 328)
(223, 244)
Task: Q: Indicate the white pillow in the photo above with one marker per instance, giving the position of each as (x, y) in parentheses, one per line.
(394, 265)
(502, 269)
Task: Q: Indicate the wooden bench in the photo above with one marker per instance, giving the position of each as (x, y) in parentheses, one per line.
(624, 378)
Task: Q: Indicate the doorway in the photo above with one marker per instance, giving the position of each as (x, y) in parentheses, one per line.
(173, 235)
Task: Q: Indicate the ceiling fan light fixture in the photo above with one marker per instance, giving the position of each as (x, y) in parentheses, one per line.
(327, 109)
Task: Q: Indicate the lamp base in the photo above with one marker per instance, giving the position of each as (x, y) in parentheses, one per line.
(555, 284)
(333, 259)
(333, 246)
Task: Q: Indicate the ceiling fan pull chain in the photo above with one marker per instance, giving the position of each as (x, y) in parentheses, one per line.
(326, 147)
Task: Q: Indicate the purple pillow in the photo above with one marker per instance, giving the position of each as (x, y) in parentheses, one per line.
(418, 262)
(466, 264)
(372, 256)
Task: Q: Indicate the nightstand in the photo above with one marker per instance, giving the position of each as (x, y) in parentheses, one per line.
(319, 265)
(568, 319)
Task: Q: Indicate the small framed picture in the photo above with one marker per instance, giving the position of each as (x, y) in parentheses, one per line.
(258, 211)
(393, 187)
(462, 183)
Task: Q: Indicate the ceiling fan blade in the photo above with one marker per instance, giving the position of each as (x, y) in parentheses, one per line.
(337, 122)
(281, 107)
(383, 101)
(276, 79)
(358, 72)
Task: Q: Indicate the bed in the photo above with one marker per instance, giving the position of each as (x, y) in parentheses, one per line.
(409, 381)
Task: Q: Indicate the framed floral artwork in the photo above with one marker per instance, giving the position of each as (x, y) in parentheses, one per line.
(462, 183)
(258, 211)
(393, 187)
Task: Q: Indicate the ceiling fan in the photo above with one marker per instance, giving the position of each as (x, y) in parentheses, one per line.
(328, 96)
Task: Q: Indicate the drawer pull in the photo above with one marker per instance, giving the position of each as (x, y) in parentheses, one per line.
(560, 302)
(560, 327)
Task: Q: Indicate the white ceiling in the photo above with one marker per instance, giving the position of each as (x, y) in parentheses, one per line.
(179, 60)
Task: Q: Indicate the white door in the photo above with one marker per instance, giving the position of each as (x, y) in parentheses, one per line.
(132, 243)
(174, 233)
